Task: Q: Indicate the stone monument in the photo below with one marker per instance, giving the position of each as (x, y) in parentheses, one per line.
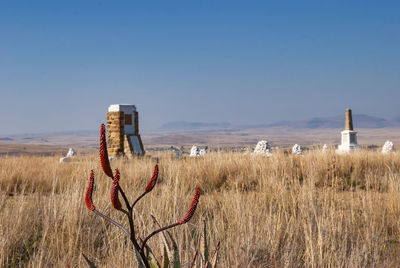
(388, 148)
(349, 136)
(123, 138)
(262, 148)
(194, 151)
(297, 149)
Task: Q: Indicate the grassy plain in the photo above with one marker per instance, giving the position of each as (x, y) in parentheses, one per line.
(315, 210)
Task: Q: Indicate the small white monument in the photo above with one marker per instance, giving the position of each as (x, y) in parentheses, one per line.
(71, 152)
(195, 151)
(349, 136)
(388, 148)
(297, 149)
(203, 152)
(262, 148)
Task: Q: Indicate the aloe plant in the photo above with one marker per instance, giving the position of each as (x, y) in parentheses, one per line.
(204, 260)
(143, 252)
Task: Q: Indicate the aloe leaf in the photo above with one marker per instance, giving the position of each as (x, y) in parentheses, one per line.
(165, 260)
(215, 257)
(171, 248)
(194, 260)
(151, 257)
(203, 245)
(91, 264)
(139, 259)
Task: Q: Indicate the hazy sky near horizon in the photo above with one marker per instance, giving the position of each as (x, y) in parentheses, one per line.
(244, 62)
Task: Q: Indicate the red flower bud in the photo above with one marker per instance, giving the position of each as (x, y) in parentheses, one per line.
(192, 208)
(89, 191)
(153, 179)
(105, 162)
(114, 192)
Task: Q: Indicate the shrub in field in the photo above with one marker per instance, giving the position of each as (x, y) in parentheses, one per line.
(143, 252)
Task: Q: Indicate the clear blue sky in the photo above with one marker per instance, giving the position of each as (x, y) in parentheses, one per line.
(63, 62)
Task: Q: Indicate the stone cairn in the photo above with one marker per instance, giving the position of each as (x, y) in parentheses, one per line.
(71, 153)
(297, 149)
(262, 148)
(388, 148)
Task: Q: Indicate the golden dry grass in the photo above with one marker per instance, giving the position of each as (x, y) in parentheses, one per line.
(316, 210)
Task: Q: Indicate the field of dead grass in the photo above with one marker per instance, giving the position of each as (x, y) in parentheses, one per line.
(315, 210)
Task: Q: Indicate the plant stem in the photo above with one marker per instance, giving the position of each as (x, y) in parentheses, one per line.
(157, 231)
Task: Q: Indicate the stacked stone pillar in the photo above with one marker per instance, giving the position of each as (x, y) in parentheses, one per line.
(123, 131)
(115, 133)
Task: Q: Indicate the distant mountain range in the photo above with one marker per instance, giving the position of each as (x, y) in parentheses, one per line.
(359, 121)
(183, 125)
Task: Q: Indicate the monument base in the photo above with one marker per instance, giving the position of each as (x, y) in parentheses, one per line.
(349, 142)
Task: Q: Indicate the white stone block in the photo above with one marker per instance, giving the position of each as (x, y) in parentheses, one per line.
(71, 152)
(297, 149)
(262, 148)
(349, 142)
(388, 148)
(195, 151)
(203, 152)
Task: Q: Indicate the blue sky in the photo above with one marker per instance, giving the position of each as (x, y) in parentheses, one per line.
(245, 62)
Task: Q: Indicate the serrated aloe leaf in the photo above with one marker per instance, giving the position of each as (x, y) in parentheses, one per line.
(150, 256)
(165, 260)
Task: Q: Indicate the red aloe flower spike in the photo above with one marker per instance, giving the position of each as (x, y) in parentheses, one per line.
(105, 162)
(192, 208)
(153, 179)
(114, 192)
(88, 197)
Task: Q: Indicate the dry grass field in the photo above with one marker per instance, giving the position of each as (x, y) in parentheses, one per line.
(315, 210)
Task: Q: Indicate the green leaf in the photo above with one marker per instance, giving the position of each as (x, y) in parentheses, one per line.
(91, 264)
(139, 259)
(170, 246)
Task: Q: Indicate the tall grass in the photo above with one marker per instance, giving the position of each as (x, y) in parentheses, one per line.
(315, 210)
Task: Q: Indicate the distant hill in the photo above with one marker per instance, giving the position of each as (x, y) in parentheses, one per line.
(359, 121)
(183, 125)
